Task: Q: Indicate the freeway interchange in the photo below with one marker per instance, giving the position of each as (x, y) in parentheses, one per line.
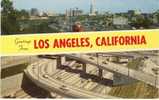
(41, 78)
(45, 74)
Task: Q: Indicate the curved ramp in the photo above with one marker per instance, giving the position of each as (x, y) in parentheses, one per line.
(38, 74)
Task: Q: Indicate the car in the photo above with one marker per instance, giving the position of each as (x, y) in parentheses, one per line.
(58, 78)
(78, 66)
(45, 76)
(104, 62)
(146, 57)
(64, 88)
(91, 58)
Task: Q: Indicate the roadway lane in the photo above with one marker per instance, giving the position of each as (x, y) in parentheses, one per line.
(116, 68)
(7, 62)
(36, 74)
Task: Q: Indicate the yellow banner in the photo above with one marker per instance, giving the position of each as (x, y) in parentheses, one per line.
(83, 42)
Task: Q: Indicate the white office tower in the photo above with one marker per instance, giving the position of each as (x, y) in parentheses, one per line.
(92, 8)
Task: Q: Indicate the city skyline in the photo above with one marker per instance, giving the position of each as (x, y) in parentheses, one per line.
(60, 6)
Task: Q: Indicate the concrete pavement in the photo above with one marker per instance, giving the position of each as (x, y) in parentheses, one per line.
(116, 68)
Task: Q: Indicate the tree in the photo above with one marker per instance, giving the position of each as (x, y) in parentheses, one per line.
(9, 18)
(23, 14)
(157, 15)
(7, 7)
(141, 21)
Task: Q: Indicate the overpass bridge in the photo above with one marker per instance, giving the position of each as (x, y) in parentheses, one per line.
(39, 73)
(116, 68)
(55, 80)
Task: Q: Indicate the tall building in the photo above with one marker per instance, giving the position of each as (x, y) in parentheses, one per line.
(92, 8)
(74, 12)
(34, 12)
(133, 12)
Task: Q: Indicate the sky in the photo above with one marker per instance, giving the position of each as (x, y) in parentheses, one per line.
(60, 6)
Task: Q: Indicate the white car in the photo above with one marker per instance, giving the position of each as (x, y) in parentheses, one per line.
(45, 76)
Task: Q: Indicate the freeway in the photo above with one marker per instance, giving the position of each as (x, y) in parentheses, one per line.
(70, 85)
(7, 62)
(116, 68)
(37, 72)
(129, 54)
(133, 54)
